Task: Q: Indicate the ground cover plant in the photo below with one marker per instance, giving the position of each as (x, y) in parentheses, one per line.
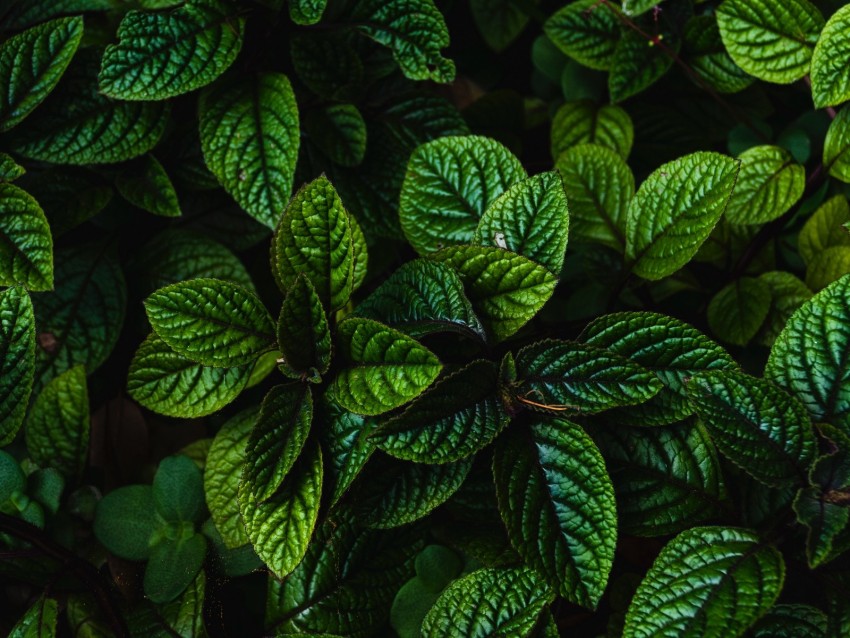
(425, 318)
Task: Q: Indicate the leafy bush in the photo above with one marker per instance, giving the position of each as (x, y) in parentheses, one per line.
(292, 341)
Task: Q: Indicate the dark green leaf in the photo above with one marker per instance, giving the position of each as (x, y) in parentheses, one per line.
(500, 22)
(303, 335)
(306, 11)
(339, 131)
(738, 311)
(583, 122)
(17, 362)
(178, 490)
(787, 294)
(26, 245)
(347, 444)
(147, 186)
(586, 31)
(10, 170)
(791, 621)
(836, 145)
(123, 521)
(638, 63)
(172, 566)
(706, 55)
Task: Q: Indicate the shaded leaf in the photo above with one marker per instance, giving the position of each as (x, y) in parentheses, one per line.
(738, 311)
(17, 363)
(303, 335)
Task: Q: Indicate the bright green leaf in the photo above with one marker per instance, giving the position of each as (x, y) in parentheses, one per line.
(836, 145)
(587, 31)
(26, 245)
(830, 77)
(40, 621)
(825, 228)
(10, 170)
(769, 183)
(827, 266)
(583, 122)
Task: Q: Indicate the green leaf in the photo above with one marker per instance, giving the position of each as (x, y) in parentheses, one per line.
(123, 521)
(328, 64)
(583, 122)
(347, 444)
(808, 357)
(160, 55)
(674, 210)
(769, 39)
(26, 245)
(31, 64)
(756, 424)
(360, 257)
(178, 490)
(706, 55)
(12, 478)
(10, 170)
(460, 415)
(827, 266)
(824, 520)
(339, 131)
(222, 474)
(277, 439)
(637, 7)
(420, 298)
(280, 528)
(57, 428)
(210, 321)
(450, 182)
(830, 78)
(836, 160)
(98, 130)
(415, 32)
(494, 602)
(769, 183)
(586, 31)
(17, 363)
(168, 383)
(532, 219)
(172, 566)
(506, 289)
(68, 196)
(580, 378)
(306, 11)
(707, 581)
(249, 136)
(787, 294)
(825, 228)
(738, 311)
(185, 615)
(314, 237)
(499, 22)
(791, 621)
(79, 323)
(40, 621)
(673, 350)
(665, 479)
(303, 335)
(637, 63)
(147, 186)
(599, 186)
(386, 368)
(557, 502)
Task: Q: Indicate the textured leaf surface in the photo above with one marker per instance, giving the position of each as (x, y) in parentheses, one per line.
(500, 22)
(450, 182)
(755, 424)
(827, 266)
(31, 64)
(17, 360)
(40, 620)
(339, 131)
(769, 183)
(811, 356)
(636, 65)
(557, 501)
(581, 378)
(210, 321)
(10, 170)
(583, 122)
(707, 582)
(169, 383)
(347, 445)
(160, 55)
(531, 219)
(307, 11)
(26, 245)
(674, 210)
(831, 78)
(585, 31)
(836, 147)
(825, 228)
(386, 368)
(704, 51)
(148, 187)
(599, 186)
(506, 289)
(57, 428)
(787, 294)
(303, 335)
(461, 414)
(249, 136)
(314, 237)
(824, 521)
(785, 621)
(737, 312)
(768, 39)
(280, 528)
(489, 602)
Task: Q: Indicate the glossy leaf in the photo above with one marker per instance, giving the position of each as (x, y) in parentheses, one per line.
(347, 445)
(17, 363)
(836, 145)
(738, 311)
(148, 187)
(303, 335)
(706, 55)
(769, 183)
(583, 122)
(585, 31)
(160, 55)
(830, 78)
(26, 245)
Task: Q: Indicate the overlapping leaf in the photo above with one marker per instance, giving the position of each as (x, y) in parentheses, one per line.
(831, 78)
(583, 122)
(586, 31)
(17, 360)
(148, 186)
(738, 311)
(303, 336)
(836, 147)
(26, 245)
(769, 183)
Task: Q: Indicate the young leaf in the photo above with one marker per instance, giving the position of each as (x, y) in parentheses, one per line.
(580, 378)
(738, 311)
(770, 39)
(168, 383)
(250, 136)
(40, 621)
(26, 245)
(57, 428)
(532, 219)
(277, 439)
(123, 521)
(147, 186)
(10, 170)
(674, 210)
(757, 425)
(178, 490)
(17, 363)
(825, 228)
(303, 335)
(769, 183)
(499, 22)
(280, 528)
(557, 501)
(172, 566)
(314, 237)
(450, 182)
(31, 64)
(387, 368)
(707, 581)
(460, 415)
(836, 145)
(583, 122)
(586, 31)
(706, 55)
(160, 55)
(347, 445)
(210, 321)
(306, 11)
(599, 186)
(339, 131)
(831, 78)
(506, 289)
(497, 602)
(420, 298)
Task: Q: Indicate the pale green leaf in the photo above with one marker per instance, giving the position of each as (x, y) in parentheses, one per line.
(769, 183)
(830, 75)
(172, 566)
(17, 362)
(124, 521)
(738, 311)
(26, 245)
(583, 122)
(587, 31)
(178, 490)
